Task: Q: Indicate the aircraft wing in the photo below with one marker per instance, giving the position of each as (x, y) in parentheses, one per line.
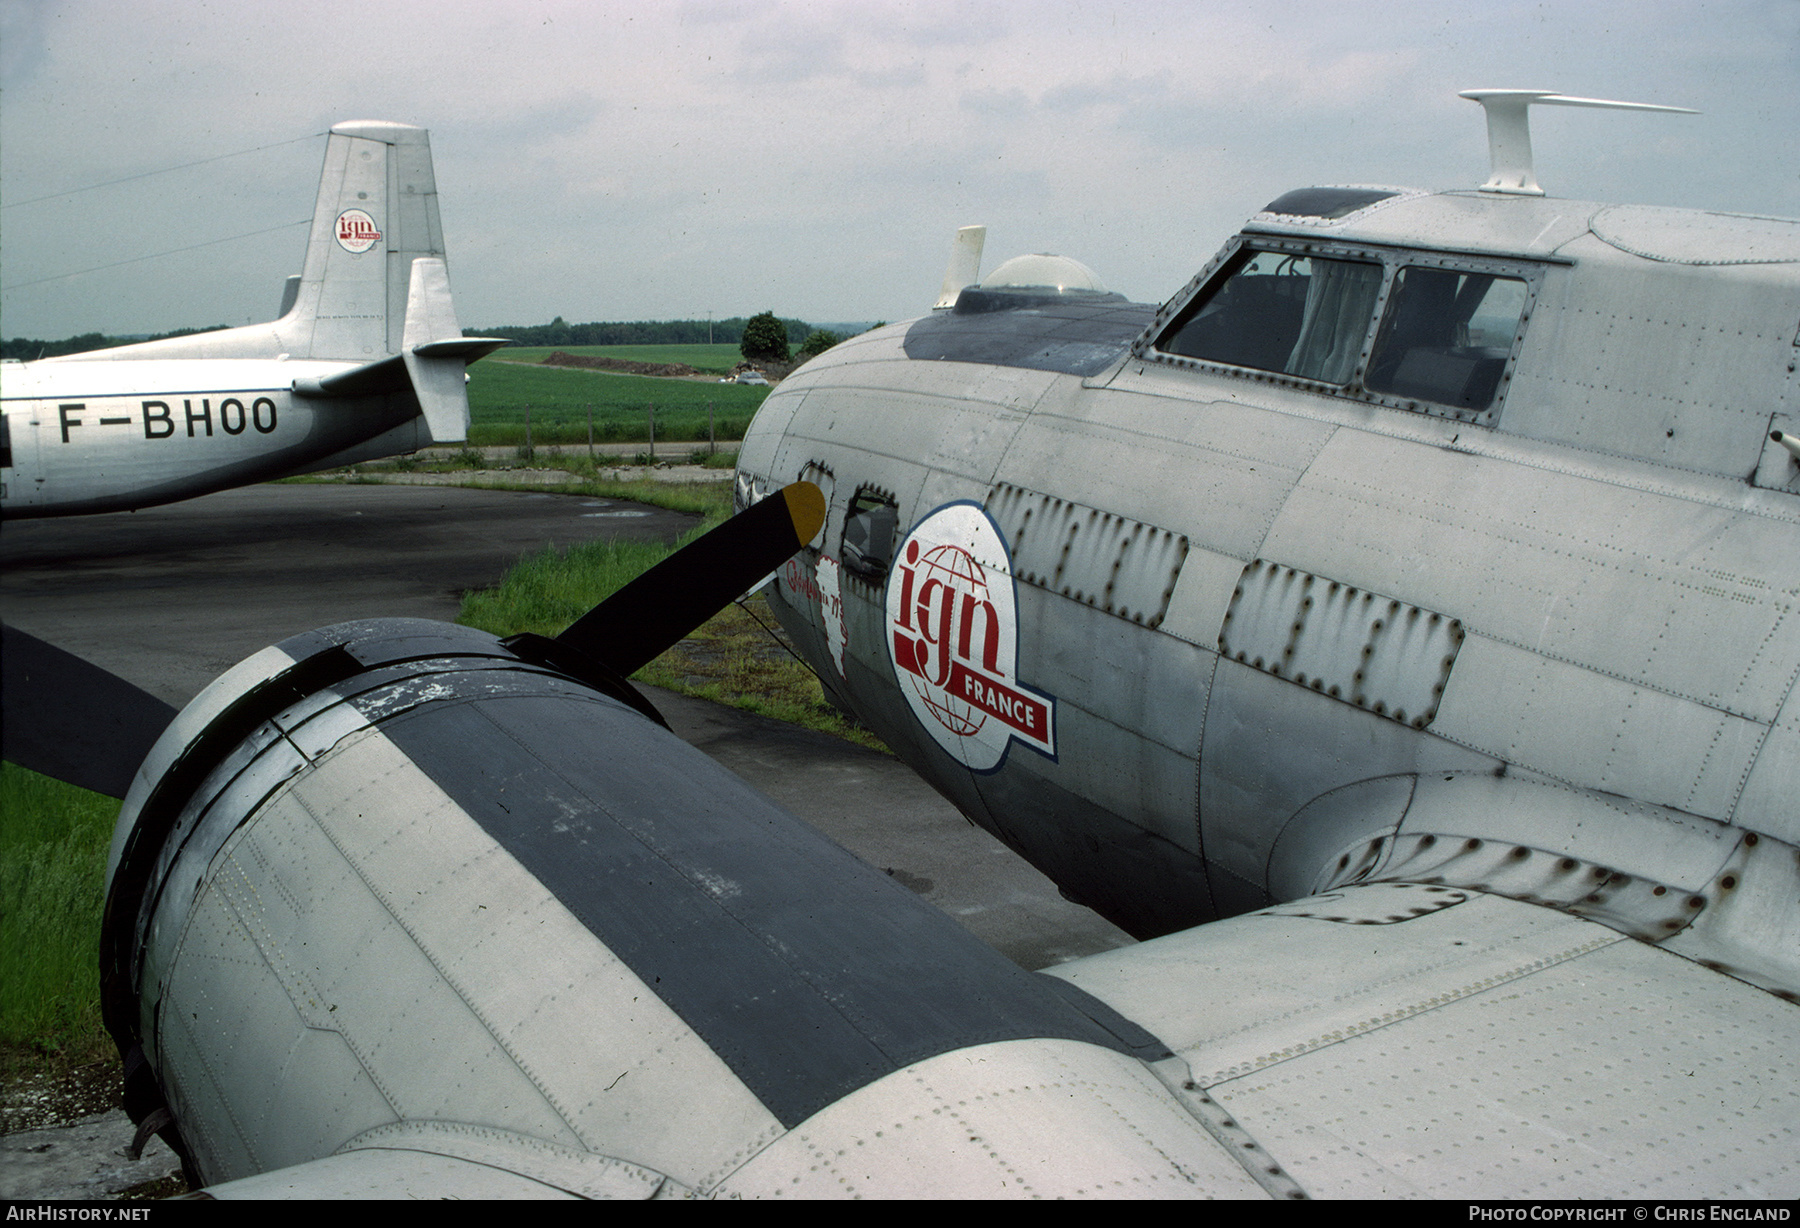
(1404, 1039)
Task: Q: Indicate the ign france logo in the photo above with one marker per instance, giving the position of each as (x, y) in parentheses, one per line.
(356, 232)
(953, 636)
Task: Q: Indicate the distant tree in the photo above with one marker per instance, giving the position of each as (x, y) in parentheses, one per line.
(816, 343)
(27, 349)
(765, 339)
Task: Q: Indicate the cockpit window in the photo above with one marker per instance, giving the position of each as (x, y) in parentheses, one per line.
(1447, 336)
(1430, 332)
(1305, 316)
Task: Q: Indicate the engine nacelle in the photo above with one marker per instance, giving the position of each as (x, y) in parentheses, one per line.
(396, 903)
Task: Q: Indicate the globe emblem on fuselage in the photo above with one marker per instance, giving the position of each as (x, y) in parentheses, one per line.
(953, 635)
(963, 585)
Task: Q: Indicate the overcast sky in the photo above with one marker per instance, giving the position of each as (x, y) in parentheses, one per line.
(661, 160)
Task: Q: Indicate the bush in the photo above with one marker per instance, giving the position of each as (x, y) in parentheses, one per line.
(765, 339)
(817, 342)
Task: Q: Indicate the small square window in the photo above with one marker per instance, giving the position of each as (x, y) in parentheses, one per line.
(869, 525)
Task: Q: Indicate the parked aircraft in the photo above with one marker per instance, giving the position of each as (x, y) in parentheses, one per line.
(365, 361)
(1413, 592)
(1426, 547)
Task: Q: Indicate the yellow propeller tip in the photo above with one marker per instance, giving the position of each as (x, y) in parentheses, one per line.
(806, 508)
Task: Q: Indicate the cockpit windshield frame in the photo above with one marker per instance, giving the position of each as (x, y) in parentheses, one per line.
(1454, 378)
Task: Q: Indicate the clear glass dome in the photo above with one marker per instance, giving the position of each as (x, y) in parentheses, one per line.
(1043, 271)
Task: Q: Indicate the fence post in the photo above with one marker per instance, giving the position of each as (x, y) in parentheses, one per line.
(529, 452)
(710, 447)
(653, 433)
(590, 410)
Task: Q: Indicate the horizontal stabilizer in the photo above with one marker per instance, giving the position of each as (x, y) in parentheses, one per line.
(68, 718)
(466, 348)
(432, 366)
(373, 379)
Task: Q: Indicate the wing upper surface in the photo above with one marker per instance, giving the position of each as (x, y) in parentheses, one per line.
(1400, 1039)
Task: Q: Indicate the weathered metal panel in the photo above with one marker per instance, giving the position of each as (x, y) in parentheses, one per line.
(1768, 802)
(1463, 221)
(1670, 593)
(1666, 362)
(435, 967)
(1375, 652)
(1202, 595)
(1216, 472)
(1254, 718)
(1135, 777)
(1154, 685)
(1121, 566)
(1017, 1102)
(1596, 731)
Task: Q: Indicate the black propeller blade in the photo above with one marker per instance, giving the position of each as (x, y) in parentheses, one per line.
(70, 719)
(664, 605)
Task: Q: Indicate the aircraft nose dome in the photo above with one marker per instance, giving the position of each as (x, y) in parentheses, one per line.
(1043, 270)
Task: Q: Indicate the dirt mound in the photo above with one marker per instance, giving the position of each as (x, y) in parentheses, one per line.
(560, 359)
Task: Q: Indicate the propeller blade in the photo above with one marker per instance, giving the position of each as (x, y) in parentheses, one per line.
(70, 719)
(661, 607)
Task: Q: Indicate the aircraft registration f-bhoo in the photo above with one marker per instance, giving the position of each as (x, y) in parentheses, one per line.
(366, 360)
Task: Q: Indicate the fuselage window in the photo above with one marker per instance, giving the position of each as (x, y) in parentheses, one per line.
(1304, 316)
(1446, 337)
(869, 524)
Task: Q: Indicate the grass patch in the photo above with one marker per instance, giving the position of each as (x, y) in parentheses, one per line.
(546, 591)
(740, 658)
(711, 497)
(53, 844)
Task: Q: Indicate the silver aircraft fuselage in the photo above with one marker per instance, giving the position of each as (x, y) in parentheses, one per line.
(113, 435)
(1476, 562)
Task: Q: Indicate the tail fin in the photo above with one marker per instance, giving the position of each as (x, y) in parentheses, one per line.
(376, 214)
(436, 353)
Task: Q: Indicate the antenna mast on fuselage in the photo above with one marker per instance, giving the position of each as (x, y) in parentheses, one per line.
(1509, 131)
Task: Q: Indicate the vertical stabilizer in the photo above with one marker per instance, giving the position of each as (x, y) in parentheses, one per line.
(438, 371)
(377, 213)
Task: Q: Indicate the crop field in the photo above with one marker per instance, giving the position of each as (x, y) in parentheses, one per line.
(501, 392)
(711, 359)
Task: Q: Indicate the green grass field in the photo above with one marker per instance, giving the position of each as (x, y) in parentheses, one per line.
(501, 389)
